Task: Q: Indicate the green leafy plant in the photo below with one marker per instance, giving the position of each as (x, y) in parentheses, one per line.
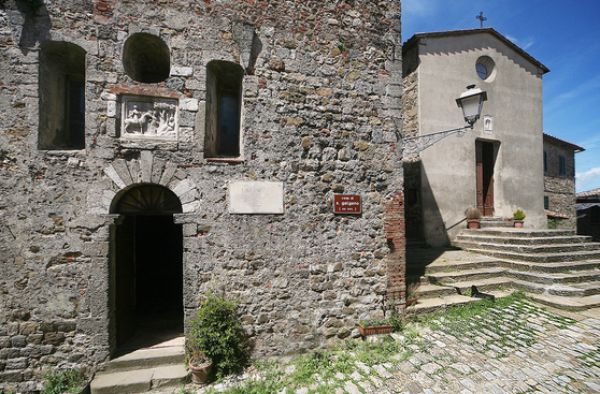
(63, 381)
(216, 331)
(519, 214)
(554, 223)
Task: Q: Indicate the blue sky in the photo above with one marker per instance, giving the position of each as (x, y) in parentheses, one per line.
(564, 35)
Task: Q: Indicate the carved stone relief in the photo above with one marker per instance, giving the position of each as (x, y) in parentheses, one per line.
(149, 117)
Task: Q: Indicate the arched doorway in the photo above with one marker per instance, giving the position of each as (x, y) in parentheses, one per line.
(147, 269)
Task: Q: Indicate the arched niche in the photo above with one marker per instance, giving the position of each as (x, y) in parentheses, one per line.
(146, 58)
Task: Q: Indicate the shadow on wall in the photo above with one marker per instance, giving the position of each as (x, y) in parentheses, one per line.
(435, 232)
(29, 22)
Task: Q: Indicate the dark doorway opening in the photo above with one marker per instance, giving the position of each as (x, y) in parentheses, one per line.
(485, 158)
(148, 270)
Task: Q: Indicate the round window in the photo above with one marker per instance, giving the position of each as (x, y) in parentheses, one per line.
(485, 68)
(146, 58)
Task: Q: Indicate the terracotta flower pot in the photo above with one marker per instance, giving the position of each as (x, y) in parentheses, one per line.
(473, 224)
(375, 330)
(518, 223)
(200, 372)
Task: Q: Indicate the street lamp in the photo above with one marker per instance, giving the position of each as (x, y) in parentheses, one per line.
(471, 103)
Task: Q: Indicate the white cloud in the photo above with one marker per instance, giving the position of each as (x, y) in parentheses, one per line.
(588, 180)
(526, 44)
(591, 173)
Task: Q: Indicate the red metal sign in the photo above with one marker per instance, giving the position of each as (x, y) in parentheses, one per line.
(349, 204)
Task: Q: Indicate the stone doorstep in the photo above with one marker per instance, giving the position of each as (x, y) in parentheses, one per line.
(462, 265)
(433, 291)
(564, 290)
(139, 380)
(556, 278)
(448, 278)
(530, 248)
(144, 358)
(520, 232)
(439, 303)
(541, 257)
(568, 303)
(516, 240)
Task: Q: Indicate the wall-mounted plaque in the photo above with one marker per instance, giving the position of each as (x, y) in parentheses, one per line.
(488, 124)
(255, 197)
(144, 117)
(348, 204)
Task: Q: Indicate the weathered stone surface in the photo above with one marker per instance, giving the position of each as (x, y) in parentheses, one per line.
(56, 222)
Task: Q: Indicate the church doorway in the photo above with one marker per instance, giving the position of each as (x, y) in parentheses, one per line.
(147, 269)
(485, 155)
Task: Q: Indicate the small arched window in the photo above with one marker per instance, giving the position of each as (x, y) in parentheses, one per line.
(61, 96)
(223, 109)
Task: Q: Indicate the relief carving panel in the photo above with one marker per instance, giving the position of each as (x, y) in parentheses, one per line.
(144, 117)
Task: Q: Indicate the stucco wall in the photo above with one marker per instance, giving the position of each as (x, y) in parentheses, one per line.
(446, 67)
(317, 116)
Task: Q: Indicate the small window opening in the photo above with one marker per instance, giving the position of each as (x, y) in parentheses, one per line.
(562, 166)
(223, 109)
(546, 202)
(146, 58)
(61, 96)
(545, 163)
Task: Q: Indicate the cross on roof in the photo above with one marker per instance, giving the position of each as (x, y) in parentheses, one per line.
(481, 19)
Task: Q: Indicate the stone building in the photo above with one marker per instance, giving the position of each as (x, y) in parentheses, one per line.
(497, 166)
(588, 213)
(152, 151)
(559, 181)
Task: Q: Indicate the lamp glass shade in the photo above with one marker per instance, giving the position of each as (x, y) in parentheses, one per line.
(471, 103)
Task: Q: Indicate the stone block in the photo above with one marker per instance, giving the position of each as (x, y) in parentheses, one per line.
(255, 197)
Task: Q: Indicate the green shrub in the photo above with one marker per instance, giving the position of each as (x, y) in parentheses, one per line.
(217, 331)
(519, 214)
(65, 381)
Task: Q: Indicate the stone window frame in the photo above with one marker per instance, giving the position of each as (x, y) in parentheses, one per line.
(63, 62)
(218, 71)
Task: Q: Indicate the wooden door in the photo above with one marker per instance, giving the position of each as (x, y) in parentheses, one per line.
(484, 164)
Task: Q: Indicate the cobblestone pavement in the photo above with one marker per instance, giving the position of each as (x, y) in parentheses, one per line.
(515, 348)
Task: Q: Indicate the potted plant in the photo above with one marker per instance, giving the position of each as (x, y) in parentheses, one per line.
(198, 363)
(374, 327)
(473, 215)
(518, 217)
(216, 335)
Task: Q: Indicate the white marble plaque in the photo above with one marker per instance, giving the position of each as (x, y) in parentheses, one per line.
(144, 117)
(488, 124)
(255, 197)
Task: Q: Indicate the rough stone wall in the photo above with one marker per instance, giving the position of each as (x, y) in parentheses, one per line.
(560, 189)
(410, 119)
(319, 105)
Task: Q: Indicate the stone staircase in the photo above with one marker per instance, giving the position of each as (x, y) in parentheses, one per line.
(153, 368)
(554, 267)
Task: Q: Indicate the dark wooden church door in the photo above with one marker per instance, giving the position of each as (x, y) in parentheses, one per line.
(484, 152)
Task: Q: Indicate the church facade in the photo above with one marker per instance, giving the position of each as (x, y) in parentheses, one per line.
(150, 153)
(497, 166)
